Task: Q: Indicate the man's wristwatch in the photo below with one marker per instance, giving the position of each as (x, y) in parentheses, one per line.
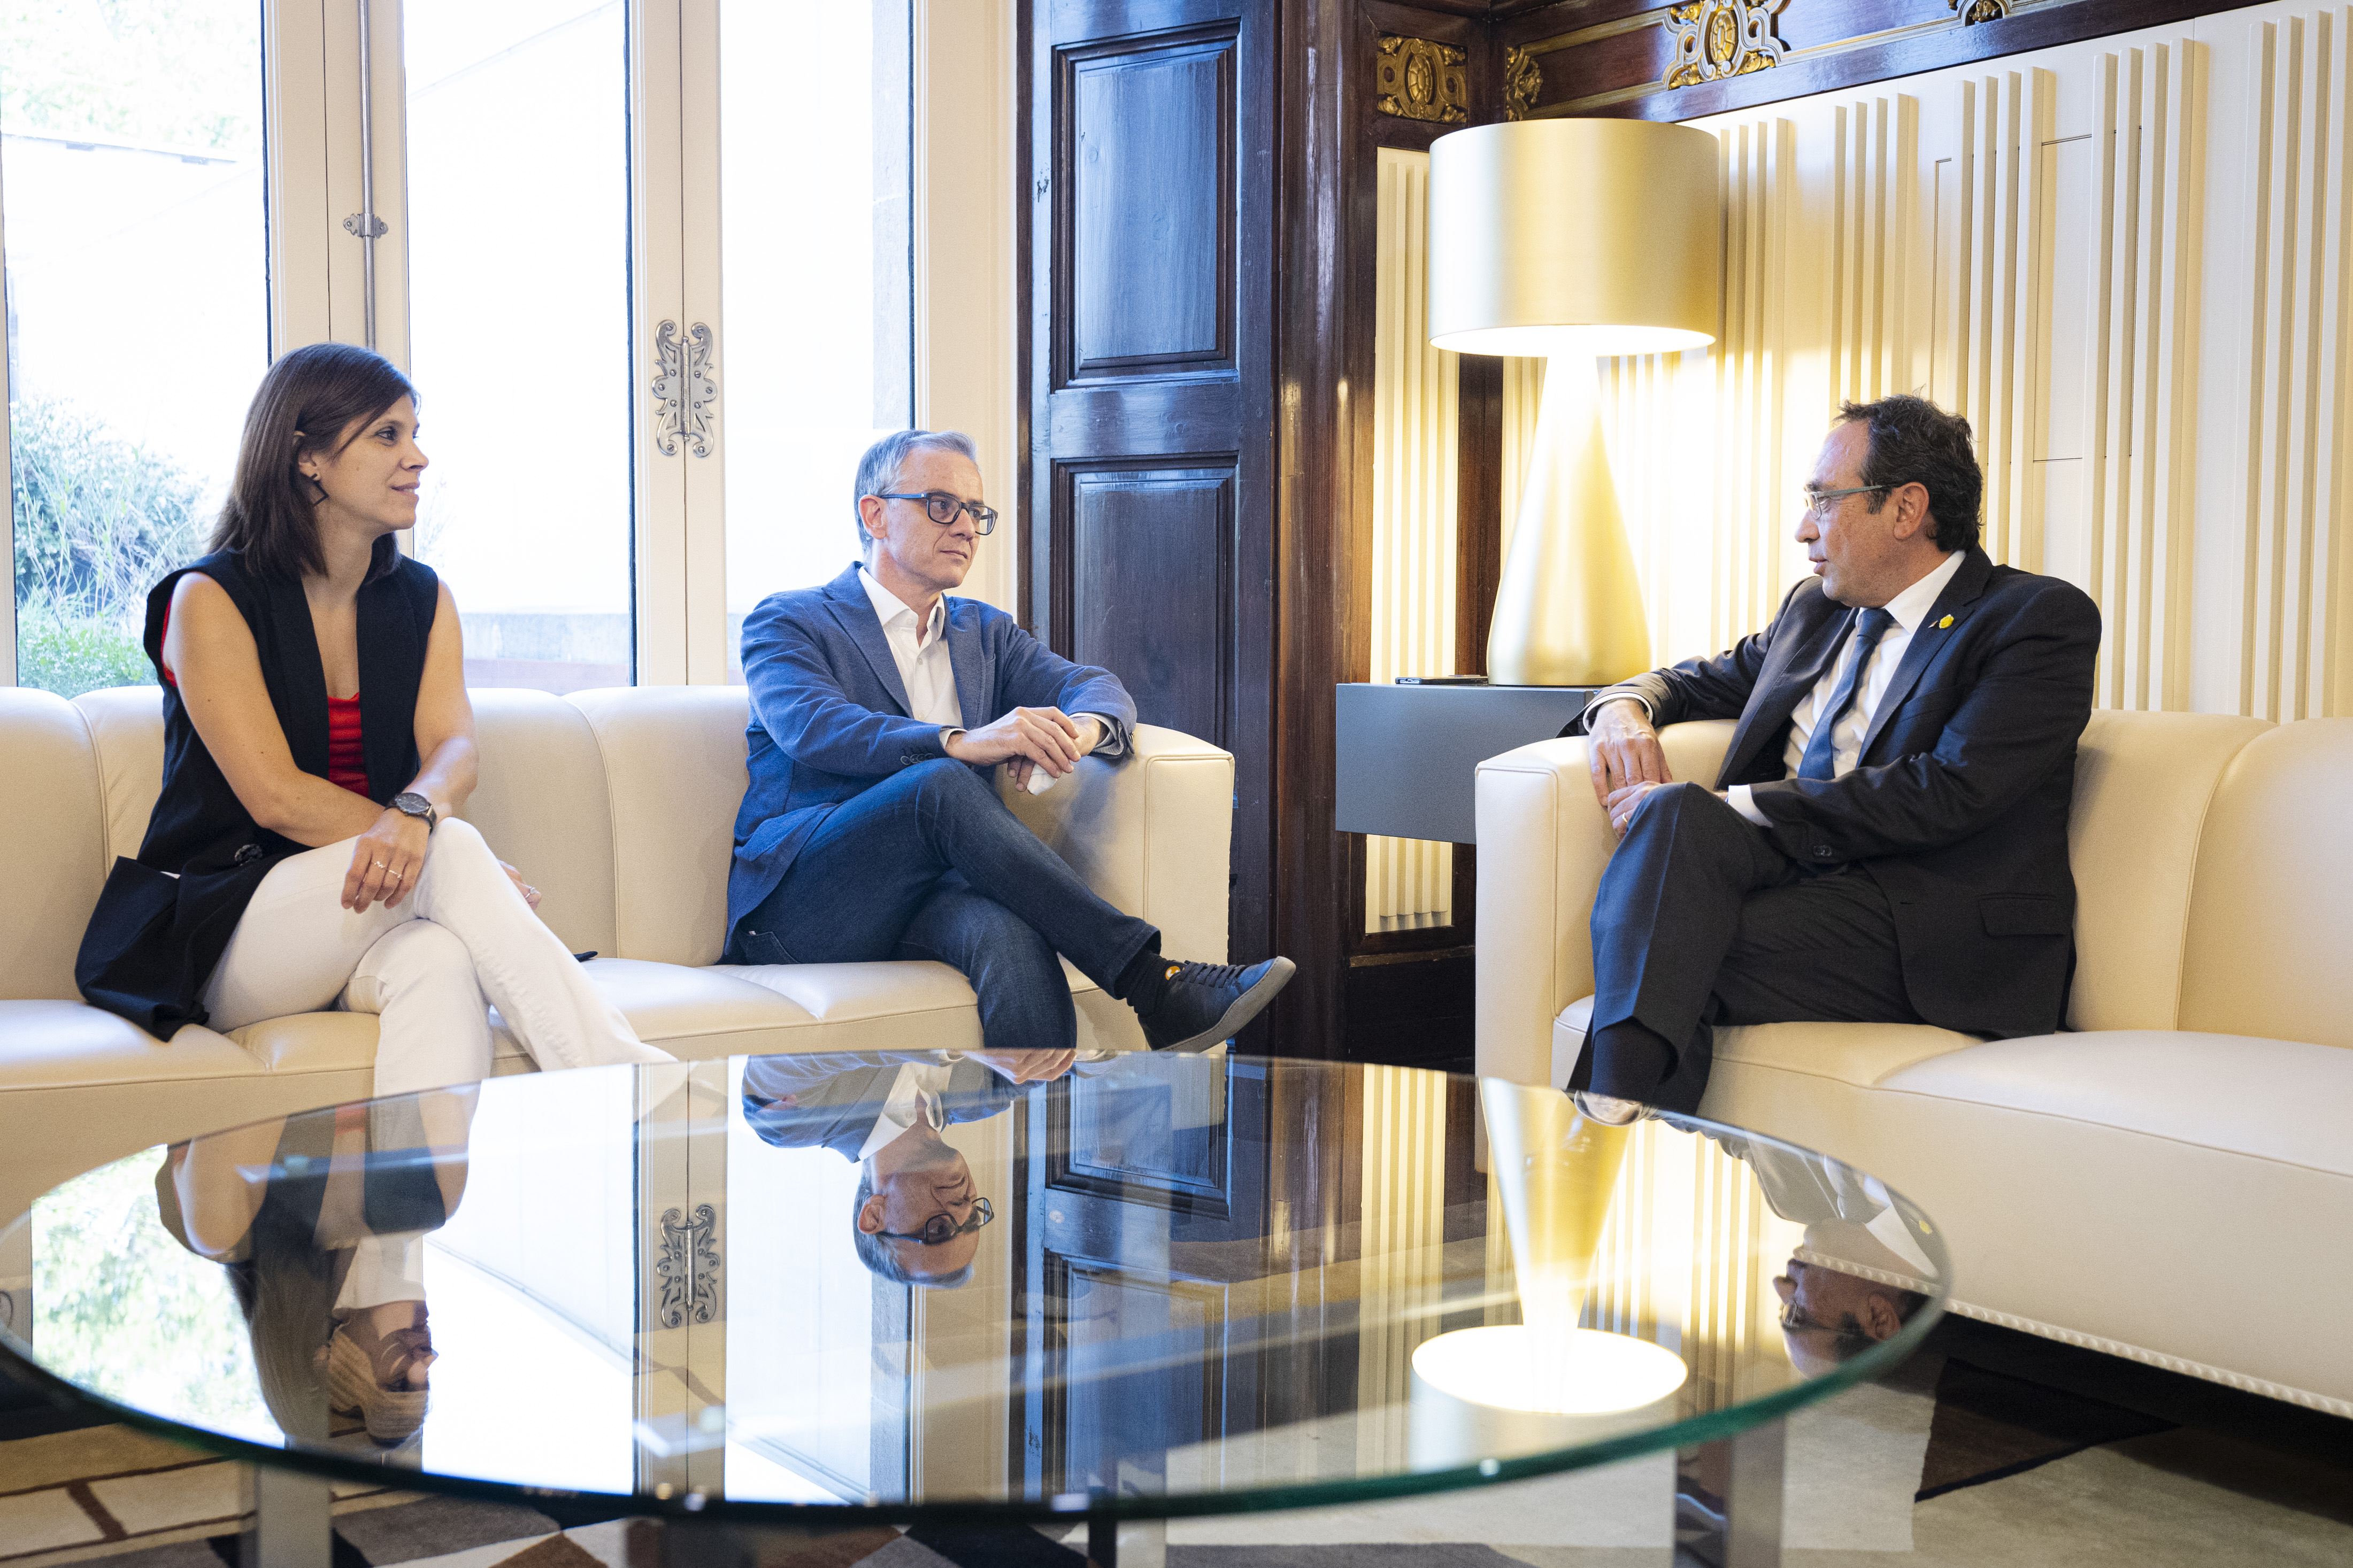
(411, 803)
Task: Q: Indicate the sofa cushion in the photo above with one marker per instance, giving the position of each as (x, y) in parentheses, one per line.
(917, 1005)
(2186, 1088)
(1857, 1054)
(53, 859)
(126, 726)
(696, 1015)
(2268, 952)
(542, 807)
(59, 1043)
(674, 773)
(2144, 784)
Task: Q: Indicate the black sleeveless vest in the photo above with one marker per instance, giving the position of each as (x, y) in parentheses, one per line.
(155, 937)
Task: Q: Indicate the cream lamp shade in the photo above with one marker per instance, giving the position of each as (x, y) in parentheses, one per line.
(1570, 239)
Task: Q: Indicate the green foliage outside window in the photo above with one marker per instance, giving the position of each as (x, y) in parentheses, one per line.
(145, 72)
(120, 1307)
(97, 522)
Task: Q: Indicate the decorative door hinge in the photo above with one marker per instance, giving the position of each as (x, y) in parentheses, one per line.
(688, 1266)
(684, 392)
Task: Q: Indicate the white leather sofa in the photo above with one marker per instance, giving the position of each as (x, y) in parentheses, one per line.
(2172, 1180)
(618, 805)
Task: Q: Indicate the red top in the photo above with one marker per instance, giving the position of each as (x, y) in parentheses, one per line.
(346, 757)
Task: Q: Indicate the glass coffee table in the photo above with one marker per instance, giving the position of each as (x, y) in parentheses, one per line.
(818, 1293)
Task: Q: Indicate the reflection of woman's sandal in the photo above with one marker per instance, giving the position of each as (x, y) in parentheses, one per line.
(385, 1380)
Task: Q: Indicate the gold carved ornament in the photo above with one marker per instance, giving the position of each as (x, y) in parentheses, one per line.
(1718, 39)
(1975, 11)
(1523, 79)
(1418, 79)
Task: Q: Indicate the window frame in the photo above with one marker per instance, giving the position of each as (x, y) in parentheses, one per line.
(964, 328)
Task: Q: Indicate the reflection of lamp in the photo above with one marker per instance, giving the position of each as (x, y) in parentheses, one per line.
(1543, 1383)
(1572, 239)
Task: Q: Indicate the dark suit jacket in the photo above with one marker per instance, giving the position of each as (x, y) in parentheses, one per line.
(833, 1097)
(1958, 806)
(829, 714)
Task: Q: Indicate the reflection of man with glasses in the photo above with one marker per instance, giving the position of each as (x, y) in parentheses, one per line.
(1849, 1284)
(917, 1213)
(870, 827)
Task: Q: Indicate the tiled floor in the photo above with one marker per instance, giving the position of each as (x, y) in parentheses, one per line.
(2240, 1481)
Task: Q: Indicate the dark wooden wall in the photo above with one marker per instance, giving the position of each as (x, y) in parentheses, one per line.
(1198, 280)
(1616, 56)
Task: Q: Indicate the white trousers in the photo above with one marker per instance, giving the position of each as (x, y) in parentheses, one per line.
(426, 967)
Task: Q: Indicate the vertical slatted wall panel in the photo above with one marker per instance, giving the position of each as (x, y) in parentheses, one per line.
(1873, 192)
(1751, 350)
(2292, 654)
(2141, 370)
(1401, 1267)
(1409, 882)
(1996, 297)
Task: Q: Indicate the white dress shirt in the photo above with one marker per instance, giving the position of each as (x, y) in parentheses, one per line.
(919, 648)
(1909, 609)
(916, 1095)
(921, 651)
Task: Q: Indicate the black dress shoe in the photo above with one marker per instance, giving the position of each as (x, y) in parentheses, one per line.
(1203, 1004)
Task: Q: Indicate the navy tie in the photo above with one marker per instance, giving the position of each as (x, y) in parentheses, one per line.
(1822, 752)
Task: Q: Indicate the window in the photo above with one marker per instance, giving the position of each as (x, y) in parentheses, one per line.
(815, 268)
(519, 314)
(137, 274)
(555, 179)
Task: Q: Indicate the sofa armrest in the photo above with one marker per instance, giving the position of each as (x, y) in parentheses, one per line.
(1542, 841)
(1152, 832)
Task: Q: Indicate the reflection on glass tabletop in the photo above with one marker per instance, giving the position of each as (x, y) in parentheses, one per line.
(1001, 1286)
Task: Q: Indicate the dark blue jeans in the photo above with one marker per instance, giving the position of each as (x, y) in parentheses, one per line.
(929, 864)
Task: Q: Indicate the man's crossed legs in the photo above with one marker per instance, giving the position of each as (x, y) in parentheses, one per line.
(929, 864)
(1701, 921)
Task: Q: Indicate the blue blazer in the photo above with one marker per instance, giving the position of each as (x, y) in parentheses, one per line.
(831, 716)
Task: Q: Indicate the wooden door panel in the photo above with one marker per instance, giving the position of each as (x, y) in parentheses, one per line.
(1155, 417)
(1145, 149)
(1161, 537)
(1147, 542)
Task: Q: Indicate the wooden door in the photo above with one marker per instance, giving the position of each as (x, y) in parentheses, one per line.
(1150, 141)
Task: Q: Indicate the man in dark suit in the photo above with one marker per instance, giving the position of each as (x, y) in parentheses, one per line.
(870, 827)
(1887, 840)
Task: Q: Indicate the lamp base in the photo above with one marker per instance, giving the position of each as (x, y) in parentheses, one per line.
(1507, 1391)
(1568, 609)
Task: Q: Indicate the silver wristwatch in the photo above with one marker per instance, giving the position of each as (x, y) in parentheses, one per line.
(411, 803)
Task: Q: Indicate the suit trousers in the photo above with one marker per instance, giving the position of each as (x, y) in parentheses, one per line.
(929, 864)
(429, 966)
(1701, 921)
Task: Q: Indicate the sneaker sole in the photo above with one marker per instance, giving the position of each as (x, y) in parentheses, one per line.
(1245, 1007)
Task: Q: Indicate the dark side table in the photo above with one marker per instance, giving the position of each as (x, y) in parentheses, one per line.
(1408, 756)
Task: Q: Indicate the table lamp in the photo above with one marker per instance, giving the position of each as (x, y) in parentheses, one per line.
(1571, 239)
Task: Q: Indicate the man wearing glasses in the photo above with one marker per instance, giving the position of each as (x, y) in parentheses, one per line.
(917, 1214)
(870, 829)
(1887, 839)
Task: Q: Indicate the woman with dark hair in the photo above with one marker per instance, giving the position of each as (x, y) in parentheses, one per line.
(316, 738)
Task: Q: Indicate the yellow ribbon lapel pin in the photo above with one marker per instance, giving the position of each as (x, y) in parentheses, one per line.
(1943, 623)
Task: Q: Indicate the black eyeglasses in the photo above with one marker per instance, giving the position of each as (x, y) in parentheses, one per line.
(943, 508)
(940, 1229)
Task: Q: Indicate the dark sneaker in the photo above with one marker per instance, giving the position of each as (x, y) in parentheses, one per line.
(1207, 1003)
